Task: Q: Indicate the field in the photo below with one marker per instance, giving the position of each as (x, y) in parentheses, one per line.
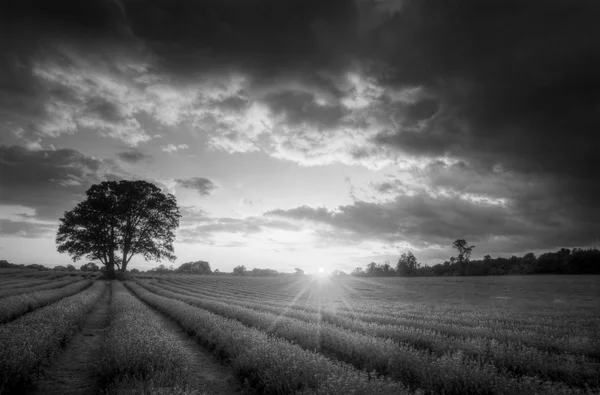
(220, 334)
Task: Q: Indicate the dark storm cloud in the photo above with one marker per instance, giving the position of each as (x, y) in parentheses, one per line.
(48, 45)
(50, 51)
(202, 185)
(508, 88)
(519, 83)
(133, 156)
(48, 181)
(103, 109)
(300, 108)
(442, 202)
(512, 81)
(267, 38)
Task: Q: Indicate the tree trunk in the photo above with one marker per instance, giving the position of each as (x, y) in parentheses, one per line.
(110, 266)
(124, 262)
(110, 270)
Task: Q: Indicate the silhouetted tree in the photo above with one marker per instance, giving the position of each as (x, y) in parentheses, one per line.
(126, 218)
(299, 272)
(339, 273)
(407, 265)
(387, 270)
(464, 253)
(256, 272)
(198, 267)
(162, 269)
(528, 263)
(239, 270)
(371, 269)
(36, 266)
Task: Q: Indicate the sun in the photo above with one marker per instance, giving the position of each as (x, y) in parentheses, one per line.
(321, 273)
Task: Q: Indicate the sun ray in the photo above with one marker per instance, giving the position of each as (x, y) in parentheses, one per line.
(289, 306)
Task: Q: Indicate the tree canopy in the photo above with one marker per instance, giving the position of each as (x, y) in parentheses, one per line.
(118, 220)
(240, 270)
(407, 265)
(464, 253)
(198, 267)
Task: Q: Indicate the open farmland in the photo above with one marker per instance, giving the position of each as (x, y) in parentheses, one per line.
(300, 334)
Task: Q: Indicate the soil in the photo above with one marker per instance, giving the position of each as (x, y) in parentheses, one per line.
(73, 371)
(210, 376)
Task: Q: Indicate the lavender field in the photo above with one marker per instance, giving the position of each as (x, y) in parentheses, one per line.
(300, 334)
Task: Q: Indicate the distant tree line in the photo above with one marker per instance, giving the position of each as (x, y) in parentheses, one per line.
(4, 264)
(197, 267)
(564, 261)
(407, 266)
(256, 272)
(203, 267)
(88, 267)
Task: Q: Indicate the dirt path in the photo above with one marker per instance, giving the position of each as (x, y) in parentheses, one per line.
(211, 377)
(72, 372)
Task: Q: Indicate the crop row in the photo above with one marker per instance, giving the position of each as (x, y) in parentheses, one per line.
(451, 373)
(448, 314)
(138, 353)
(40, 287)
(13, 275)
(242, 288)
(246, 285)
(508, 355)
(30, 342)
(268, 364)
(12, 307)
(431, 334)
(546, 333)
(28, 277)
(26, 283)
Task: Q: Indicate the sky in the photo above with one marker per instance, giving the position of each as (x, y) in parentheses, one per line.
(306, 133)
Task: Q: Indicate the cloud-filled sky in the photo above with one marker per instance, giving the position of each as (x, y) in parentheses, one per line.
(307, 133)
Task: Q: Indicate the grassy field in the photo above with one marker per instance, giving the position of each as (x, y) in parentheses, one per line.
(184, 334)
